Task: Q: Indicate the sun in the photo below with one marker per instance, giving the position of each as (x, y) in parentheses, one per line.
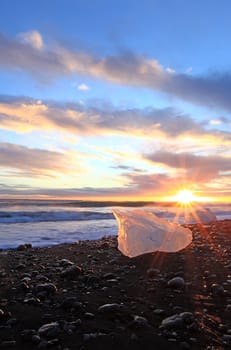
(185, 196)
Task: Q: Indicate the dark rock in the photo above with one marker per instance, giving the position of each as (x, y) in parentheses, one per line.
(32, 301)
(217, 289)
(66, 262)
(35, 339)
(49, 330)
(139, 323)
(176, 283)
(1, 313)
(152, 273)
(71, 272)
(173, 322)
(24, 246)
(71, 302)
(114, 311)
(185, 320)
(49, 288)
(89, 315)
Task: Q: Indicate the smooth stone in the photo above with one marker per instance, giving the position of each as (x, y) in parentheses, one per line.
(176, 283)
(66, 262)
(49, 329)
(71, 302)
(71, 272)
(35, 339)
(217, 289)
(180, 321)
(114, 310)
(49, 288)
(151, 273)
(139, 322)
(173, 322)
(24, 246)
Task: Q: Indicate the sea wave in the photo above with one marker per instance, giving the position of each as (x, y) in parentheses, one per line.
(8, 217)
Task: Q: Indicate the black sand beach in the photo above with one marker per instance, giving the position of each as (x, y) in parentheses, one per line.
(87, 295)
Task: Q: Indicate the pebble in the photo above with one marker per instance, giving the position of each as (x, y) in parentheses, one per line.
(180, 321)
(66, 262)
(217, 289)
(176, 283)
(139, 322)
(49, 288)
(24, 246)
(49, 330)
(71, 302)
(151, 273)
(113, 310)
(71, 272)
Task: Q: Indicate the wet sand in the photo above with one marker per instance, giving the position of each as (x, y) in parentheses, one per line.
(87, 295)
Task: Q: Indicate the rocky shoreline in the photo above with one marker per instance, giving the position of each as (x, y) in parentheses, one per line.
(87, 295)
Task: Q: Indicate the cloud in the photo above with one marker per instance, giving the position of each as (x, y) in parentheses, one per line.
(83, 87)
(29, 162)
(128, 168)
(195, 168)
(211, 90)
(215, 122)
(139, 186)
(32, 38)
(25, 115)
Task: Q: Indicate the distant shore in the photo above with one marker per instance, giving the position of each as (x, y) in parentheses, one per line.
(87, 295)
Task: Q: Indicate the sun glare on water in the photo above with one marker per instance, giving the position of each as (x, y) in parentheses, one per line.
(185, 197)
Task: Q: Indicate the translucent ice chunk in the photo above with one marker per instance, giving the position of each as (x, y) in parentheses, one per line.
(141, 231)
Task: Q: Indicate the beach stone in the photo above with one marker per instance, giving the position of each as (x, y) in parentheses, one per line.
(71, 272)
(12, 322)
(24, 246)
(176, 283)
(89, 315)
(90, 336)
(43, 344)
(66, 262)
(1, 313)
(227, 338)
(109, 276)
(23, 286)
(49, 330)
(36, 339)
(32, 301)
(217, 289)
(41, 278)
(180, 321)
(49, 288)
(139, 322)
(173, 322)
(113, 310)
(151, 273)
(71, 302)
(158, 311)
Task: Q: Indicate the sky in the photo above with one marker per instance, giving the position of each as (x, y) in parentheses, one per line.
(115, 100)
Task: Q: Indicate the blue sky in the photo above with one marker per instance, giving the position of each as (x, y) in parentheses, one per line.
(115, 100)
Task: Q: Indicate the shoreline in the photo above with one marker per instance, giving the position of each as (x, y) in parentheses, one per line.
(87, 295)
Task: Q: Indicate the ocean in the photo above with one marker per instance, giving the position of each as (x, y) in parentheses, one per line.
(50, 222)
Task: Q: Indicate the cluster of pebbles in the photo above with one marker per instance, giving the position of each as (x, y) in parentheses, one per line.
(87, 295)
